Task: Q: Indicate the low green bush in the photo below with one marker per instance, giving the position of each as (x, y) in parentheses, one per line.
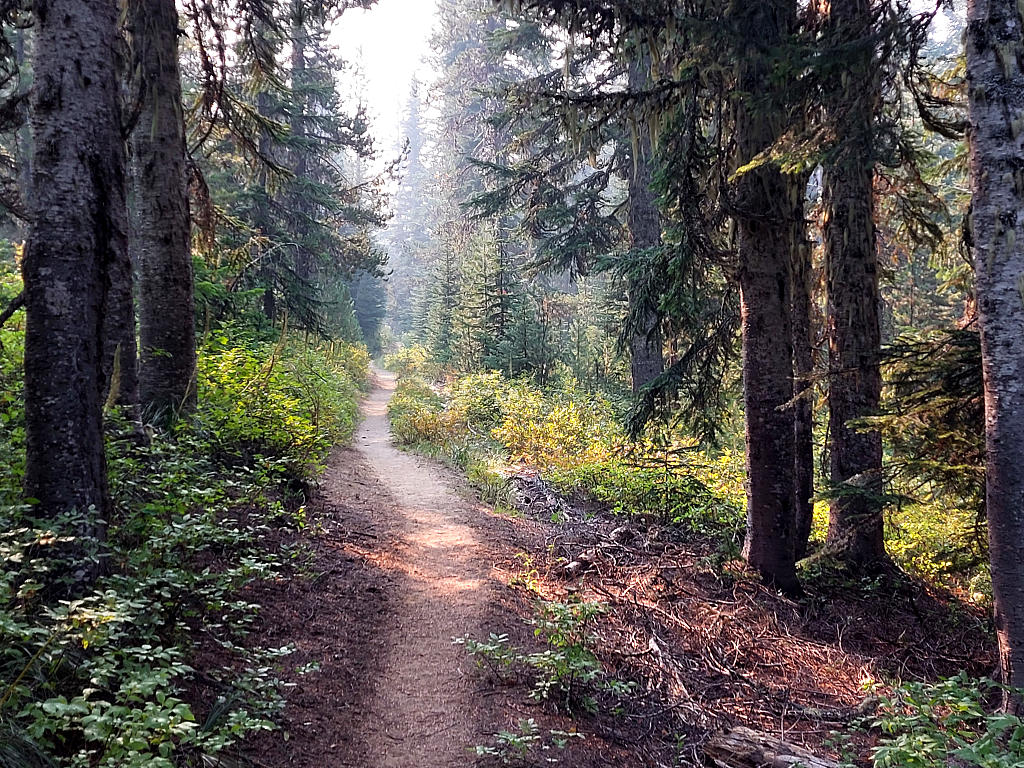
(410, 361)
(280, 402)
(669, 496)
(950, 722)
(101, 679)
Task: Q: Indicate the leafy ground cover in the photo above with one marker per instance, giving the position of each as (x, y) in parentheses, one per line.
(108, 678)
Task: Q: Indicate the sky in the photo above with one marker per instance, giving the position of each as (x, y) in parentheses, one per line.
(388, 44)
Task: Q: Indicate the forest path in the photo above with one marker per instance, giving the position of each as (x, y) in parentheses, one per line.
(421, 710)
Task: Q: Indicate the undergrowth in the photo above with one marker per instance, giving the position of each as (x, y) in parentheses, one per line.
(566, 674)
(949, 722)
(487, 425)
(103, 678)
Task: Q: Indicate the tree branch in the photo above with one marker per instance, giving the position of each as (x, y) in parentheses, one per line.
(16, 303)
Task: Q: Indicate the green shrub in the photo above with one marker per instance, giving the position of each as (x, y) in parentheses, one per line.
(671, 496)
(951, 722)
(478, 399)
(567, 670)
(414, 412)
(99, 680)
(410, 361)
(564, 430)
(280, 402)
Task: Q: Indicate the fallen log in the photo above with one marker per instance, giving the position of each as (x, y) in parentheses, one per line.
(746, 748)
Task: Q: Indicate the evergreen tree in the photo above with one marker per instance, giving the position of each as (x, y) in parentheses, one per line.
(763, 214)
(79, 227)
(995, 50)
(851, 265)
(161, 226)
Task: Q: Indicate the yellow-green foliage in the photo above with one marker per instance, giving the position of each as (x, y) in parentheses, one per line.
(675, 492)
(567, 429)
(282, 401)
(415, 412)
(410, 361)
(571, 435)
(943, 544)
(478, 399)
(12, 399)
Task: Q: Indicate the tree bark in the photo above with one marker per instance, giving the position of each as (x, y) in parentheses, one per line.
(852, 324)
(763, 219)
(161, 223)
(79, 229)
(995, 50)
(644, 222)
(803, 366)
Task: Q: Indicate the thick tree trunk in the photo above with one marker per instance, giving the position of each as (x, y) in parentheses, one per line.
(79, 230)
(763, 219)
(803, 366)
(161, 224)
(644, 222)
(995, 50)
(852, 325)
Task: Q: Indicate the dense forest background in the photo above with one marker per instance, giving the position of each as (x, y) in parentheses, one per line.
(748, 270)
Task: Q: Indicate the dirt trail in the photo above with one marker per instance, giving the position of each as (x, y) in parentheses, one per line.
(421, 711)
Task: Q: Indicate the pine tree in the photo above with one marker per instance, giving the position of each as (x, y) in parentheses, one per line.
(851, 265)
(161, 226)
(79, 226)
(995, 50)
(764, 232)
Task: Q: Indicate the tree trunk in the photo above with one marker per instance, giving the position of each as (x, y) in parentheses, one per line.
(852, 325)
(79, 229)
(995, 50)
(120, 351)
(803, 366)
(763, 219)
(161, 224)
(644, 221)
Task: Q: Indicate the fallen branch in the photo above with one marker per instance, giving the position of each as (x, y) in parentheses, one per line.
(746, 748)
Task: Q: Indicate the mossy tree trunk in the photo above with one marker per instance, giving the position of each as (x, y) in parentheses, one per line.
(764, 229)
(644, 224)
(852, 310)
(803, 364)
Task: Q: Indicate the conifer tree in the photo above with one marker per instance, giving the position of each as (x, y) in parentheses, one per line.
(161, 227)
(995, 79)
(851, 265)
(79, 227)
(764, 231)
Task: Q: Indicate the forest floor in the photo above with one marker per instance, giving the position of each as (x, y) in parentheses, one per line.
(403, 562)
(402, 559)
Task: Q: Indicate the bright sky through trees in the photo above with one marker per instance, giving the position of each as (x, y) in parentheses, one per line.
(388, 44)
